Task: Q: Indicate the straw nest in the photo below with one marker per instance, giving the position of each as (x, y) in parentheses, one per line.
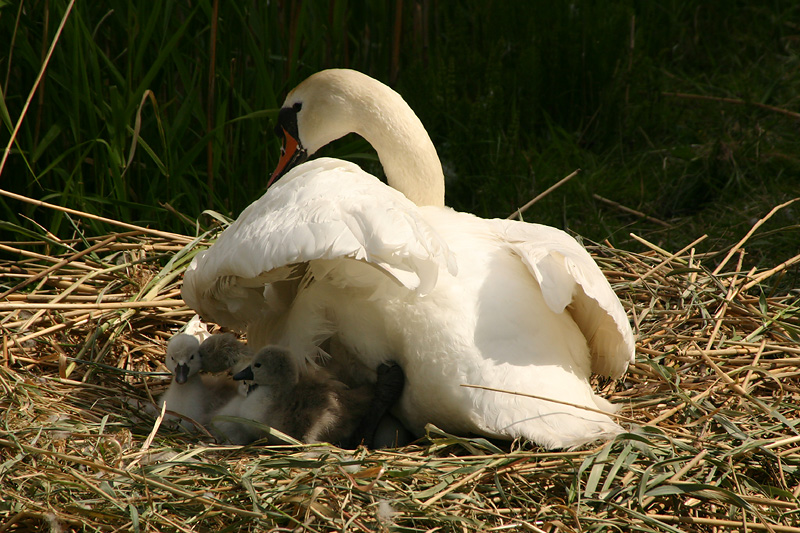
(711, 405)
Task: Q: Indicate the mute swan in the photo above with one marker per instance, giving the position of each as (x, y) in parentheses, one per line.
(392, 273)
(191, 394)
(313, 408)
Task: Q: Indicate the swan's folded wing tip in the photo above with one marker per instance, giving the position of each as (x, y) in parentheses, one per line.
(570, 279)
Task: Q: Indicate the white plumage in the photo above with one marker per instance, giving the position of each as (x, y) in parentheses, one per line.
(330, 251)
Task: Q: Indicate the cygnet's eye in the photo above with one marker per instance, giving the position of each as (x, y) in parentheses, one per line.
(297, 107)
(257, 365)
(192, 357)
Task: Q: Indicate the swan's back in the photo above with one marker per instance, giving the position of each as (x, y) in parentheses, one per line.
(571, 280)
(326, 209)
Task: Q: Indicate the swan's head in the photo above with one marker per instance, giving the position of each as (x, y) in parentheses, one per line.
(183, 357)
(320, 110)
(273, 366)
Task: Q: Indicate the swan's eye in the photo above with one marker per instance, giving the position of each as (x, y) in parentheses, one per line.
(257, 365)
(297, 107)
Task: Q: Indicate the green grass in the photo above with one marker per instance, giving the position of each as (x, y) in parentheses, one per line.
(514, 99)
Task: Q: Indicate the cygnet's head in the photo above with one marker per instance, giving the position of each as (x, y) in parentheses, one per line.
(221, 351)
(272, 366)
(183, 356)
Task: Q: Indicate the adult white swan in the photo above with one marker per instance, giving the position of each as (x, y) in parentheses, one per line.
(391, 273)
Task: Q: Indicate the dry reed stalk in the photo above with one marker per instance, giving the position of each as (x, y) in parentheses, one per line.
(518, 213)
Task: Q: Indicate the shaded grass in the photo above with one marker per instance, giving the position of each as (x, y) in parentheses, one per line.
(581, 86)
(126, 123)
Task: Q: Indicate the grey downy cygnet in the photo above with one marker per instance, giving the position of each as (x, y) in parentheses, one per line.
(314, 408)
(219, 353)
(223, 351)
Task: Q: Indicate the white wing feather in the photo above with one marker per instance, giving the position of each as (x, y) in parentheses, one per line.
(324, 209)
(570, 279)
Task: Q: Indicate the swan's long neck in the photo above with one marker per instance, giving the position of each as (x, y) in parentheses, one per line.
(334, 102)
(406, 151)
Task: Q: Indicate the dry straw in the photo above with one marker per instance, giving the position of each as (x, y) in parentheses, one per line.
(711, 405)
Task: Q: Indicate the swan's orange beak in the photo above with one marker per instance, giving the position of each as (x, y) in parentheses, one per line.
(292, 154)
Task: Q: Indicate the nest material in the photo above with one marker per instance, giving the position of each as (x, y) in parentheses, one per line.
(711, 404)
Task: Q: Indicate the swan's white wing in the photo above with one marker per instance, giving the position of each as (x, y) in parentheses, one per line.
(322, 210)
(570, 279)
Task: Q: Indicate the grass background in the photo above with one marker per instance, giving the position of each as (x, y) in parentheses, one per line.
(154, 114)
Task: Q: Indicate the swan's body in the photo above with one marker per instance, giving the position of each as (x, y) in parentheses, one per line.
(314, 408)
(331, 251)
(191, 394)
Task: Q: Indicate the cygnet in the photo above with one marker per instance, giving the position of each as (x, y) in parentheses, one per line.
(222, 351)
(219, 353)
(316, 408)
(193, 395)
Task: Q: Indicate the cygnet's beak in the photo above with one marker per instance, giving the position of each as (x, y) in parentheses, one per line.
(246, 374)
(181, 373)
